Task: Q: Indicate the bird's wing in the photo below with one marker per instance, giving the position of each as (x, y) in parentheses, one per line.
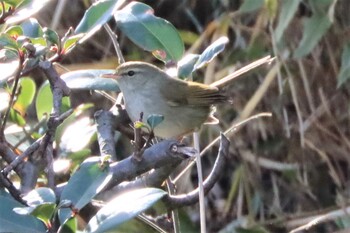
(179, 92)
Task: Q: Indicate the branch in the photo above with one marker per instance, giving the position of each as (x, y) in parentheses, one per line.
(173, 202)
(154, 178)
(105, 133)
(159, 155)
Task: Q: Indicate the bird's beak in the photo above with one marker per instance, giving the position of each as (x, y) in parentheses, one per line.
(113, 76)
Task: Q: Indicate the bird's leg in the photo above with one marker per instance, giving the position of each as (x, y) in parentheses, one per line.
(137, 143)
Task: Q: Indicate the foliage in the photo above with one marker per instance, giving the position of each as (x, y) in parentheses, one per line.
(290, 178)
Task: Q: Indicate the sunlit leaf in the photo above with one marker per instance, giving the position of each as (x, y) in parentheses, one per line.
(77, 135)
(314, 28)
(70, 42)
(151, 33)
(44, 101)
(32, 28)
(10, 221)
(90, 80)
(96, 16)
(26, 95)
(14, 3)
(44, 211)
(9, 63)
(39, 196)
(14, 31)
(84, 184)
(4, 98)
(211, 52)
(123, 208)
(8, 42)
(139, 125)
(69, 226)
(17, 118)
(26, 9)
(186, 65)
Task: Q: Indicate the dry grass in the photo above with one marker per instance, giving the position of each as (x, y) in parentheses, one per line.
(284, 170)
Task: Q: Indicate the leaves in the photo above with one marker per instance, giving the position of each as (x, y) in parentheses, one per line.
(151, 33)
(32, 28)
(123, 208)
(285, 16)
(90, 80)
(154, 119)
(211, 51)
(26, 9)
(9, 63)
(27, 89)
(96, 16)
(10, 221)
(314, 28)
(193, 62)
(85, 183)
(44, 101)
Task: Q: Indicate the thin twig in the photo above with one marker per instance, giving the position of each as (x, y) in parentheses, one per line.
(212, 143)
(200, 183)
(192, 197)
(114, 39)
(12, 98)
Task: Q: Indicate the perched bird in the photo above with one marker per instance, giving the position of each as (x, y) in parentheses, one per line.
(185, 105)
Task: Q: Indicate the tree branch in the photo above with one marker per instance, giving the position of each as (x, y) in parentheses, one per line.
(173, 202)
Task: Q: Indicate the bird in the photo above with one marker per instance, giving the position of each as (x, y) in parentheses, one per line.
(185, 105)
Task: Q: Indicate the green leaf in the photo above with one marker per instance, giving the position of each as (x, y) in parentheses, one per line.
(39, 196)
(9, 63)
(26, 95)
(344, 73)
(314, 28)
(251, 5)
(6, 41)
(123, 208)
(10, 221)
(90, 80)
(44, 211)
(14, 31)
(285, 16)
(71, 42)
(26, 9)
(32, 28)
(17, 118)
(149, 32)
(44, 101)
(211, 52)
(185, 66)
(14, 3)
(96, 16)
(86, 182)
(139, 125)
(154, 119)
(51, 36)
(69, 226)
(42, 204)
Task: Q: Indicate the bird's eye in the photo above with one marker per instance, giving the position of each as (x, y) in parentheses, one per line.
(131, 73)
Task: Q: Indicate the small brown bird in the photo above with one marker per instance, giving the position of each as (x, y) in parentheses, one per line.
(185, 105)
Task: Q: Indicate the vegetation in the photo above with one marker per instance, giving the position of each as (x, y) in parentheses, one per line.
(67, 163)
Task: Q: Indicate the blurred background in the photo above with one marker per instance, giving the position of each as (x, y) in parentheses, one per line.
(282, 170)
